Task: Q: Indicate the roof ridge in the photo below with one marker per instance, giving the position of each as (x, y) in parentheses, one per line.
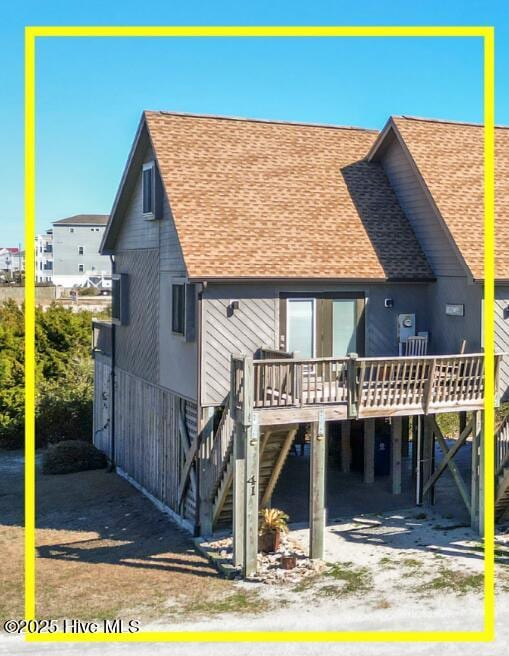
(444, 120)
(222, 117)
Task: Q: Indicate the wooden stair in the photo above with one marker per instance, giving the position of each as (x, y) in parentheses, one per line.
(502, 470)
(502, 495)
(274, 448)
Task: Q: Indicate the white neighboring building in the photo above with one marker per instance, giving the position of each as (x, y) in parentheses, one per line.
(76, 258)
(11, 261)
(44, 257)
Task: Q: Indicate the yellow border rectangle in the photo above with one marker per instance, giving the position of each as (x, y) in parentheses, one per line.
(484, 32)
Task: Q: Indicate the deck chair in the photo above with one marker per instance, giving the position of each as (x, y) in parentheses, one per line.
(415, 346)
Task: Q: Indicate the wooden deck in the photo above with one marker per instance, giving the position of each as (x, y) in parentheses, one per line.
(287, 389)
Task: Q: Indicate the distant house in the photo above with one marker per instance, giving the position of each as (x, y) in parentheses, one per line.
(269, 275)
(44, 257)
(11, 261)
(76, 258)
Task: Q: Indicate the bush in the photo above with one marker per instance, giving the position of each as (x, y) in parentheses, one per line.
(64, 378)
(64, 405)
(88, 291)
(72, 456)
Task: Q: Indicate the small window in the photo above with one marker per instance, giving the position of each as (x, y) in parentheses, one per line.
(81, 268)
(148, 188)
(119, 298)
(71, 229)
(81, 250)
(178, 308)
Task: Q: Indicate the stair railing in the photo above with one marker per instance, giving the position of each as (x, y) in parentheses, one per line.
(502, 447)
(220, 449)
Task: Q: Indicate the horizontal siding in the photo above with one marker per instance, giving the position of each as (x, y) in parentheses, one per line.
(172, 260)
(256, 324)
(448, 332)
(147, 439)
(136, 232)
(253, 325)
(137, 343)
(412, 198)
(502, 336)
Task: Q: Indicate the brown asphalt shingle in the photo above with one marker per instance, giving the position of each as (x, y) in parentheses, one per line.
(279, 200)
(449, 157)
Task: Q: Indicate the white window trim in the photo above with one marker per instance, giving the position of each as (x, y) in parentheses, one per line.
(303, 298)
(149, 216)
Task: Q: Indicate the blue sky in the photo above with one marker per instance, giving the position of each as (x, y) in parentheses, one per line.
(90, 92)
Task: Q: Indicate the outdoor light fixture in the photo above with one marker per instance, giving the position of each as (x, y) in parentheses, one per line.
(233, 305)
(389, 302)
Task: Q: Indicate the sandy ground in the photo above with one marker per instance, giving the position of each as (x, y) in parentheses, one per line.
(393, 571)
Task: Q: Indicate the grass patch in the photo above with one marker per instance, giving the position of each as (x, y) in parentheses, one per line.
(411, 562)
(240, 601)
(452, 581)
(349, 580)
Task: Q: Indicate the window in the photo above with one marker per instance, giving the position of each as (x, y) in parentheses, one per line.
(148, 188)
(71, 229)
(81, 268)
(178, 308)
(81, 250)
(119, 298)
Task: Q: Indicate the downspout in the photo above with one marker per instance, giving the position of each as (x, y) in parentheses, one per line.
(111, 467)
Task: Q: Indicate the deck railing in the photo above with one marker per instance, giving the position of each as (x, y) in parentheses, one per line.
(367, 386)
(502, 447)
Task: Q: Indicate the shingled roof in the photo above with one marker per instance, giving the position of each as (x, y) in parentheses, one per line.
(262, 199)
(449, 157)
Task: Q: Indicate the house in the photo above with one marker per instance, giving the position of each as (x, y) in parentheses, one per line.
(44, 257)
(76, 258)
(270, 275)
(11, 261)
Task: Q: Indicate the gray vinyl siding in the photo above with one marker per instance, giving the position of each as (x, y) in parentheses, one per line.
(135, 231)
(502, 336)
(150, 251)
(66, 257)
(426, 225)
(448, 332)
(256, 324)
(137, 342)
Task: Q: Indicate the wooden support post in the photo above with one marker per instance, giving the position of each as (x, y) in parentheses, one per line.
(415, 427)
(396, 444)
(206, 507)
(346, 447)
(428, 448)
(477, 484)
(405, 429)
(369, 451)
(251, 494)
(351, 372)
(243, 419)
(239, 486)
(419, 435)
(317, 488)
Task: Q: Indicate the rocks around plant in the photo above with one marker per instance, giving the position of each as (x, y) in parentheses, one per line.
(270, 570)
(71, 456)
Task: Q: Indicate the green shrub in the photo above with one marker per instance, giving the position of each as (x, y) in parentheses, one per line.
(64, 379)
(88, 291)
(72, 456)
(64, 405)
